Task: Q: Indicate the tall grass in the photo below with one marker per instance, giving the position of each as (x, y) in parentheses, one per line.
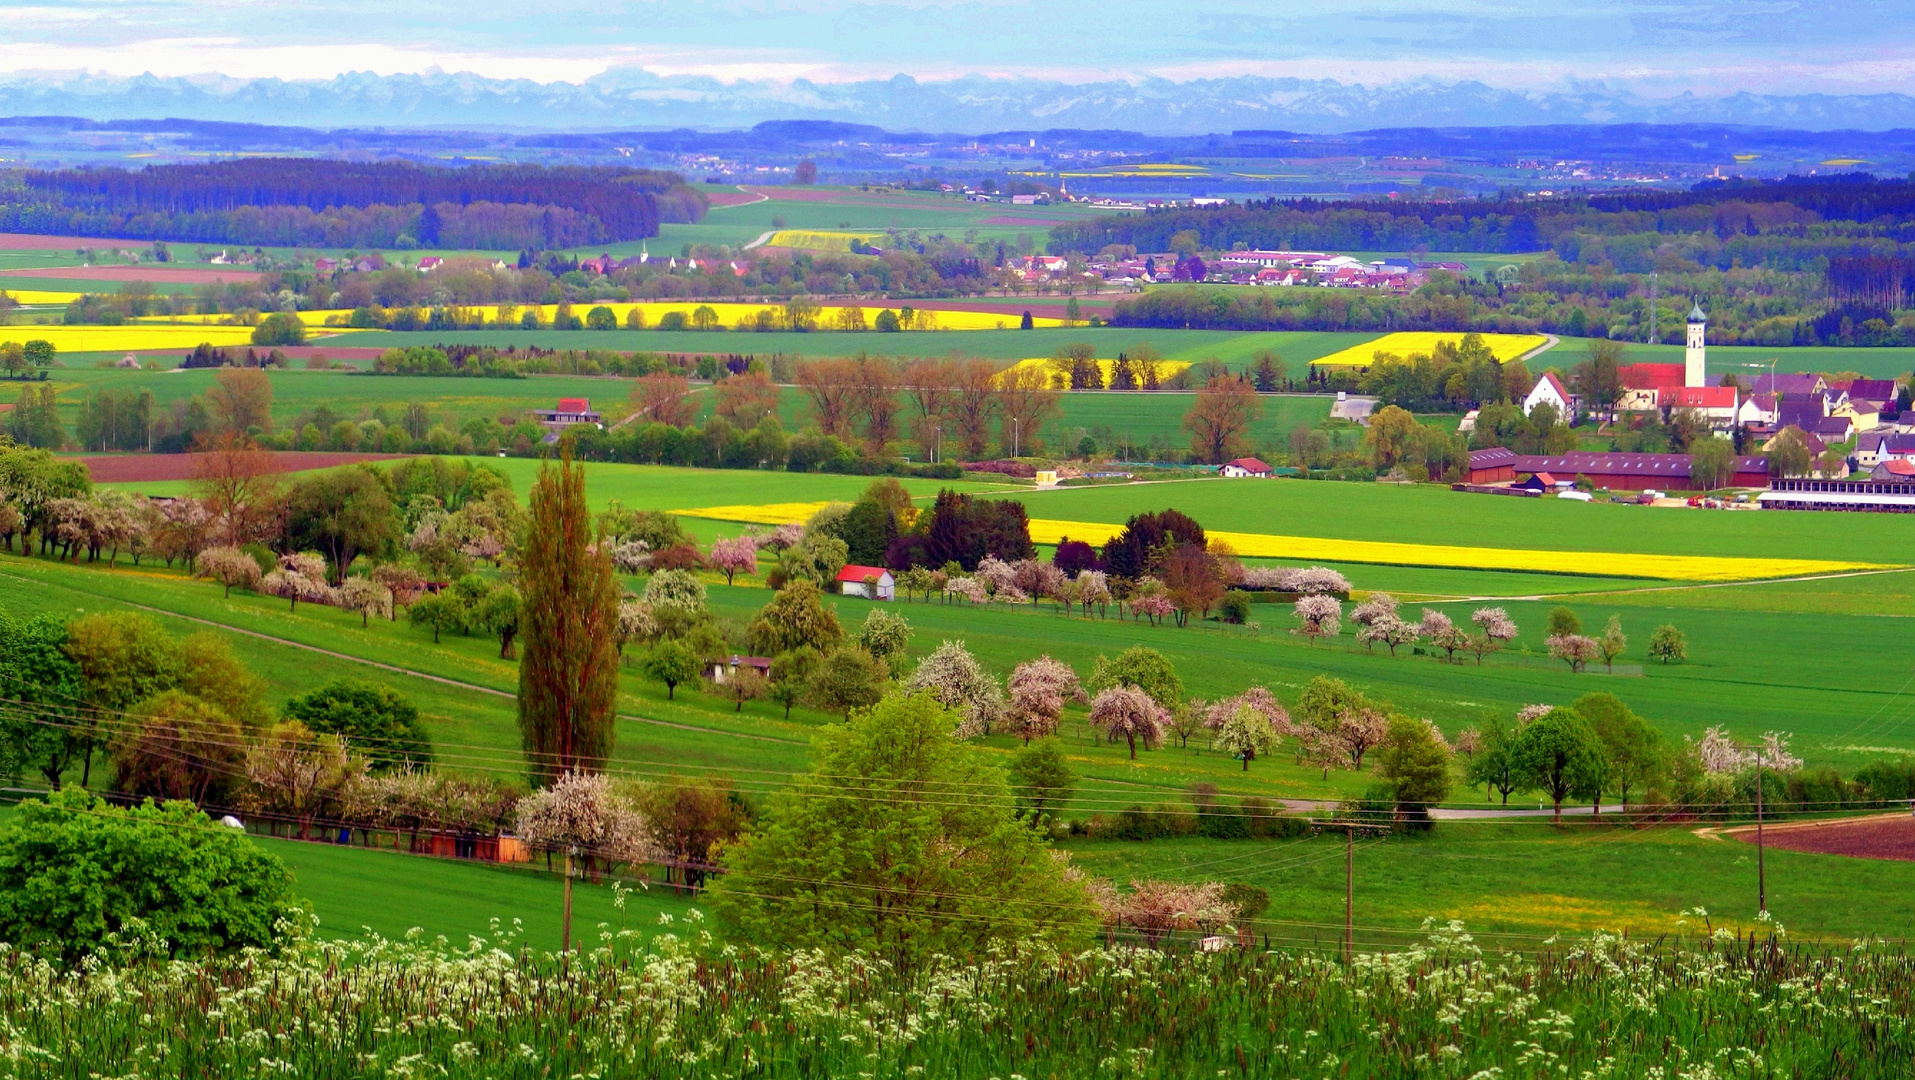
(683, 1006)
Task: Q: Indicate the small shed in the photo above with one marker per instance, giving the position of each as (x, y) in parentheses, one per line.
(726, 666)
(870, 582)
(1246, 466)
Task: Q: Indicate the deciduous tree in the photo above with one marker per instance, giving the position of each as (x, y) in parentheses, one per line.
(1219, 418)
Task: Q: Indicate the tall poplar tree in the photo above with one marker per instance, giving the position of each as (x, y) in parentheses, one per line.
(568, 679)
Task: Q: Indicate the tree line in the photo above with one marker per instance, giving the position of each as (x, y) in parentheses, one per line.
(299, 201)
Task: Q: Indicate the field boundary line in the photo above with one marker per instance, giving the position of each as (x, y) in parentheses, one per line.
(442, 679)
(762, 197)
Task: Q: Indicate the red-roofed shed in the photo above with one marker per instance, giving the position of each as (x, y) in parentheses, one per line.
(870, 582)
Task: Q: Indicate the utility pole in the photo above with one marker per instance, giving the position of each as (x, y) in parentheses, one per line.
(1349, 893)
(1761, 876)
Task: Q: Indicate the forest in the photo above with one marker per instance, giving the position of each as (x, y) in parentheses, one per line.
(297, 201)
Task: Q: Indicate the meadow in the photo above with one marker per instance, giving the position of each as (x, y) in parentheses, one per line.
(1831, 672)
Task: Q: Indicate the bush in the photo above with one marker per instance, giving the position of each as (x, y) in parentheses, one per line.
(375, 721)
(1235, 607)
(74, 869)
(1888, 779)
(279, 328)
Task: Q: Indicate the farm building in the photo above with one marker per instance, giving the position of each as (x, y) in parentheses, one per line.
(571, 410)
(1635, 472)
(1892, 493)
(1246, 466)
(726, 667)
(870, 582)
(1496, 465)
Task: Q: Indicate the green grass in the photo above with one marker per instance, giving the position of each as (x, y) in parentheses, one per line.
(354, 889)
(1748, 361)
(1516, 884)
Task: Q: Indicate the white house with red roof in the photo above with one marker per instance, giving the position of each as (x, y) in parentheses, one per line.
(1715, 404)
(1551, 389)
(870, 582)
(1246, 466)
(1642, 385)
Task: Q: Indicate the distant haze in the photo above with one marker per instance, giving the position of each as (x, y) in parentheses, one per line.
(628, 98)
(969, 65)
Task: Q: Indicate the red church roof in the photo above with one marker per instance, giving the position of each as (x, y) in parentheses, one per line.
(1650, 376)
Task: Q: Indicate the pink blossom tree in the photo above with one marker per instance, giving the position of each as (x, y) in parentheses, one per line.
(1039, 690)
(1576, 650)
(736, 555)
(1131, 713)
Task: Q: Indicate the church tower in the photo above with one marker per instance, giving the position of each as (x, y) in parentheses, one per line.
(1692, 359)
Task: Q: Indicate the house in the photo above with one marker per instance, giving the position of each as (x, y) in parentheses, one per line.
(1635, 472)
(1246, 466)
(1543, 481)
(1894, 469)
(858, 581)
(1756, 411)
(1496, 465)
(1868, 448)
(430, 263)
(325, 266)
(1809, 439)
(726, 667)
(1872, 389)
(1833, 428)
(1715, 404)
(1803, 410)
(1863, 413)
(1788, 383)
(571, 410)
(1905, 423)
(1550, 389)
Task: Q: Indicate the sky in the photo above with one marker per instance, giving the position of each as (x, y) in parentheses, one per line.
(1654, 47)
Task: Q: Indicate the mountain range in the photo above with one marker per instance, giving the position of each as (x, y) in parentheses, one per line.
(632, 98)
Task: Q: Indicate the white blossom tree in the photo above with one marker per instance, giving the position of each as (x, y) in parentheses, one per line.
(955, 678)
(582, 815)
(1129, 712)
(1318, 617)
(229, 566)
(367, 597)
(1494, 629)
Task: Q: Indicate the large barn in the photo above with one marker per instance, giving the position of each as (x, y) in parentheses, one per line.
(1635, 472)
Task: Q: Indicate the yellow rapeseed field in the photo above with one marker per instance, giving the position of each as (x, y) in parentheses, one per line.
(792, 513)
(1502, 346)
(1165, 368)
(40, 296)
(1601, 563)
(1326, 549)
(731, 316)
(813, 240)
(131, 337)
